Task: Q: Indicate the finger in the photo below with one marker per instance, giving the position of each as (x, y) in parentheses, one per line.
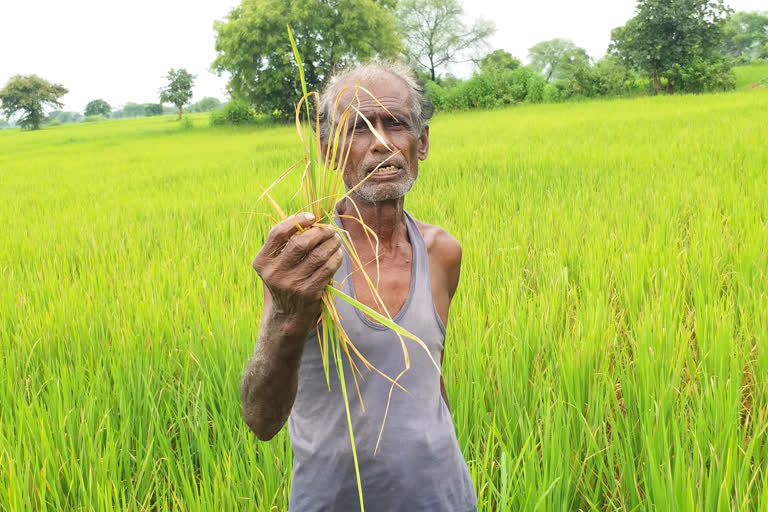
(327, 270)
(284, 230)
(320, 254)
(298, 246)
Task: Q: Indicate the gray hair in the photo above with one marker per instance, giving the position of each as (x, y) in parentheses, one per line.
(420, 107)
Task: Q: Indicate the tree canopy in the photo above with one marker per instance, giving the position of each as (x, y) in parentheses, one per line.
(434, 34)
(178, 91)
(556, 58)
(30, 94)
(65, 117)
(666, 36)
(97, 107)
(153, 109)
(252, 45)
(206, 104)
(499, 60)
(745, 35)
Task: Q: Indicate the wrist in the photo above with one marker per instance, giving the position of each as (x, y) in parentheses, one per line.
(292, 323)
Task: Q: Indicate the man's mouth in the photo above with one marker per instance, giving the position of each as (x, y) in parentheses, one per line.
(385, 170)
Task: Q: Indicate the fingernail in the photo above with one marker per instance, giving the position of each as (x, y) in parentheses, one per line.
(308, 216)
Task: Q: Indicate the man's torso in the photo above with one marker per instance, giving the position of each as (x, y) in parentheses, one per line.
(418, 464)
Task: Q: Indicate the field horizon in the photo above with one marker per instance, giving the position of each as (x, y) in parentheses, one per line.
(606, 350)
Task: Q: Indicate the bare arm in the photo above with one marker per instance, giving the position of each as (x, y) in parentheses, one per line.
(295, 271)
(445, 255)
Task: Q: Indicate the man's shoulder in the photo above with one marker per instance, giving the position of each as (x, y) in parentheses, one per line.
(441, 245)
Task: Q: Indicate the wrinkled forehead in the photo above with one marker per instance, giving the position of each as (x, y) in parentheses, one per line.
(374, 95)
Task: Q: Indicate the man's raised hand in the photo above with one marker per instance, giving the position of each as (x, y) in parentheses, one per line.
(296, 266)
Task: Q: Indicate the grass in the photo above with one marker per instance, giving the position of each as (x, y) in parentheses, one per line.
(607, 348)
(749, 75)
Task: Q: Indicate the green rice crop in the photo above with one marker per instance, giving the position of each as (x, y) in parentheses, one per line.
(607, 348)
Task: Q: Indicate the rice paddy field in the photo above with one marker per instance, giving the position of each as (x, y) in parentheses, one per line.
(607, 348)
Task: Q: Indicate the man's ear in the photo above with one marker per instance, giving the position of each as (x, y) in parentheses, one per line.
(423, 150)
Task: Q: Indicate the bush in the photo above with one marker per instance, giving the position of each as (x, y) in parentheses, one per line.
(553, 93)
(517, 82)
(233, 113)
(608, 77)
(489, 89)
(93, 119)
(479, 92)
(536, 86)
(436, 94)
(186, 124)
(701, 75)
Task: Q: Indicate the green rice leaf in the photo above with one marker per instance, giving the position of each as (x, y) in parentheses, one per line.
(381, 319)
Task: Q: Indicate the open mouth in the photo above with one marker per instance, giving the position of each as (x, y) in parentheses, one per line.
(389, 169)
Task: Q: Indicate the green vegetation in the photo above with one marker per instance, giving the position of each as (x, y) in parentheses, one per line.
(676, 44)
(233, 113)
(28, 96)
(434, 34)
(205, 105)
(97, 108)
(745, 36)
(755, 73)
(178, 90)
(606, 350)
(251, 45)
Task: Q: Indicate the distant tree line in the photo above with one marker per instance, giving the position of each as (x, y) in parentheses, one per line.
(27, 97)
(669, 46)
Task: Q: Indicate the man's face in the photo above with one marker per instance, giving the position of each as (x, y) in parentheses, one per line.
(393, 178)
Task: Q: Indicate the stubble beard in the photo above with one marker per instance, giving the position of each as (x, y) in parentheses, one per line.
(377, 192)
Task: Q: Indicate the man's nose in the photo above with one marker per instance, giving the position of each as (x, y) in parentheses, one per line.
(383, 140)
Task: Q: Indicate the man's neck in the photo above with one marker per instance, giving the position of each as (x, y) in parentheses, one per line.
(386, 219)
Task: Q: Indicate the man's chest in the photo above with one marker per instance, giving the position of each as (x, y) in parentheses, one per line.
(386, 281)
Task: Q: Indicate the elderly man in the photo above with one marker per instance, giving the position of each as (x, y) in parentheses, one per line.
(418, 465)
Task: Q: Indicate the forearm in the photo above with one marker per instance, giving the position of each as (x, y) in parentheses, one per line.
(270, 381)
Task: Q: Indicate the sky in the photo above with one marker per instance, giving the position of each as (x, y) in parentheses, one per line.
(121, 51)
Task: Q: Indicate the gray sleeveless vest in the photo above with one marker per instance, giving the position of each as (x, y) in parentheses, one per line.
(418, 466)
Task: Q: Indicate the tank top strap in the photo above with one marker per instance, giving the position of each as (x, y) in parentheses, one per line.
(419, 254)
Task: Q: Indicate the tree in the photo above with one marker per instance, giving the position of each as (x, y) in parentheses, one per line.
(206, 105)
(434, 34)
(153, 109)
(252, 45)
(556, 58)
(665, 36)
(745, 34)
(65, 117)
(499, 60)
(30, 94)
(97, 107)
(130, 109)
(178, 92)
